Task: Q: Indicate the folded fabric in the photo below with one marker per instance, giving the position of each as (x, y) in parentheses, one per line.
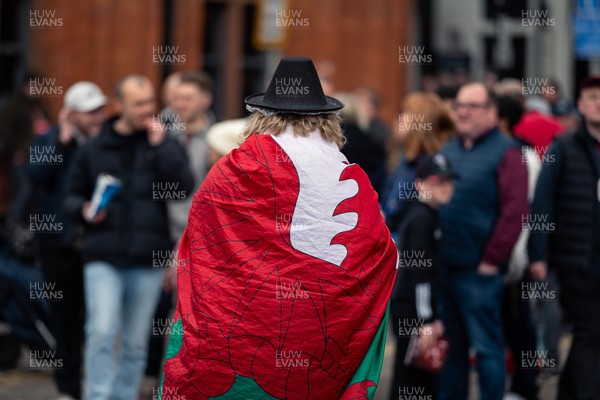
(285, 272)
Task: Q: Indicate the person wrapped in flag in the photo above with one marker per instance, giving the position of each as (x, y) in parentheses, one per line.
(286, 266)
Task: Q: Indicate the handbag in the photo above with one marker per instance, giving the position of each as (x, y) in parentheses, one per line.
(432, 360)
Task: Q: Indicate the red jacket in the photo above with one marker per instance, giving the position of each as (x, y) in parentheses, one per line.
(538, 130)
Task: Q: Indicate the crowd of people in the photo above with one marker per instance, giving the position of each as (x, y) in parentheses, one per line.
(105, 275)
(491, 197)
(510, 249)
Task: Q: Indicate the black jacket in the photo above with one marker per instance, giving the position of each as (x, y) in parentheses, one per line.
(419, 252)
(52, 179)
(136, 226)
(365, 151)
(566, 201)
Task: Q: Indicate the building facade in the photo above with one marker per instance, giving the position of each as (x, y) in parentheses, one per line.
(238, 42)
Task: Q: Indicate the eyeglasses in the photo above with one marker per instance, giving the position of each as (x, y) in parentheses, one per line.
(469, 106)
(592, 96)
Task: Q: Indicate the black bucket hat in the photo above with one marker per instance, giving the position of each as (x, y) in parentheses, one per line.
(296, 89)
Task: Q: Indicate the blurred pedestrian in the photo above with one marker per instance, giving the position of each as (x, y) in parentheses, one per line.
(517, 313)
(24, 117)
(286, 266)
(369, 107)
(189, 121)
(567, 196)
(192, 101)
(361, 147)
(424, 127)
(414, 302)
(326, 71)
(448, 96)
(168, 90)
(481, 225)
(121, 285)
(562, 108)
(155, 348)
(80, 119)
(537, 126)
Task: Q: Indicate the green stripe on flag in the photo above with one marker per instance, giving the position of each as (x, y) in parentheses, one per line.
(175, 341)
(370, 367)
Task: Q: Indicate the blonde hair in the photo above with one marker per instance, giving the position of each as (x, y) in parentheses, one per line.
(429, 141)
(328, 124)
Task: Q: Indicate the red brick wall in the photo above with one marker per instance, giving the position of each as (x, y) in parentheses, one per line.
(361, 38)
(101, 40)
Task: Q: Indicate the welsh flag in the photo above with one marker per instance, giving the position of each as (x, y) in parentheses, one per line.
(285, 273)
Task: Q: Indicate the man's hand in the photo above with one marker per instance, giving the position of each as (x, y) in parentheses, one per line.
(156, 132)
(430, 333)
(66, 129)
(538, 270)
(487, 269)
(97, 219)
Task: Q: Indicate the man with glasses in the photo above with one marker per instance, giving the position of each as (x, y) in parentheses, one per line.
(481, 225)
(567, 194)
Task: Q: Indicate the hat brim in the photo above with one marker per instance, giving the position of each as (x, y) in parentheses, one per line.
(442, 176)
(257, 100)
(448, 176)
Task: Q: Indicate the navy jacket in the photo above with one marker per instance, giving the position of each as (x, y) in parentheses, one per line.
(484, 219)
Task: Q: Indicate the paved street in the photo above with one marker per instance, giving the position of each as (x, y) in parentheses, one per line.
(548, 384)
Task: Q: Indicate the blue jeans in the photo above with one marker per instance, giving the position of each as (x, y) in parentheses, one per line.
(119, 302)
(472, 318)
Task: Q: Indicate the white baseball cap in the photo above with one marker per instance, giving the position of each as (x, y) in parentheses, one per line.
(84, 96)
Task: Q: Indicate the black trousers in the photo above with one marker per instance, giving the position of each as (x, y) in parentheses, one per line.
(410, 382)
(580, 378)
(63, 267)
(156, 346)
(520, 335)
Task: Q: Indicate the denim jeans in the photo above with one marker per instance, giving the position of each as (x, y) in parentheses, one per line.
(120, 302)
(472, 319)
